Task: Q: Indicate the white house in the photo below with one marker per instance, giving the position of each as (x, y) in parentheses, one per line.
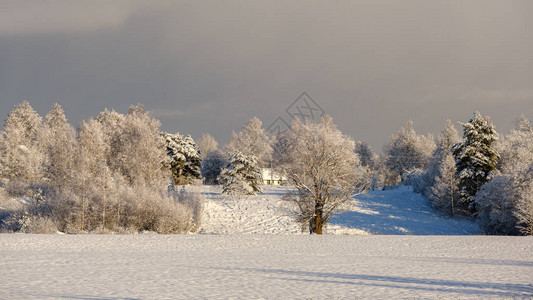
(272, 178)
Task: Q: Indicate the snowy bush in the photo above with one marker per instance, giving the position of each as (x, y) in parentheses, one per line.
(195, 201)
(108, 176)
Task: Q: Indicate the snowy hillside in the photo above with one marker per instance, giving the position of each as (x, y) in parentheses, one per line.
(398, 211)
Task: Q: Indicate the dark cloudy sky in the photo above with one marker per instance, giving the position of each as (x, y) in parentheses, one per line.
(212, 65)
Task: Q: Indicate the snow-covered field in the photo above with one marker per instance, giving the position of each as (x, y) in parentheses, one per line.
(250, 248)
(264, 266)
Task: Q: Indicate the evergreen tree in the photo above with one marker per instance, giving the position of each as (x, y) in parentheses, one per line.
(475, 158)
(185, 161)
(242, 176)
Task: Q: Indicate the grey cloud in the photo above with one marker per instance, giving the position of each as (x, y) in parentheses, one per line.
(210, 66)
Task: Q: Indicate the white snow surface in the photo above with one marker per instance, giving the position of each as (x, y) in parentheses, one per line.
(396, 211)
(389, 245)
(264, 267)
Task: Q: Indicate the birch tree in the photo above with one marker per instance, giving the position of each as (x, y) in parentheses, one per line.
(325, 171)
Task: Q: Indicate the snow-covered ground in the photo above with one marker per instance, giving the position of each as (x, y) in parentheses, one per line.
(261, 214)
(400, 211)
(359, 260)
(397, 211)
(264, 266)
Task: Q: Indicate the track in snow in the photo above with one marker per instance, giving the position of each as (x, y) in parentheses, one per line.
(398, 211)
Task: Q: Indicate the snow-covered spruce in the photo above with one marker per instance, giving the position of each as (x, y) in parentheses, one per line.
(242, 176)
(475, 158)
(184, 156)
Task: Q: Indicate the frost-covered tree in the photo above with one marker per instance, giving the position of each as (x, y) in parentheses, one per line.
(524, 209)
(185, 161)
(516, 148)
(496, 202)
(242, 176)
(366, 155)
(57, 137)
(206, 144)
(22, 157)
(212, 165)
(251, 140)
(444, 193)
(435, 183)
(475, 158)
(324, 170)
(408, 151)
(93, 177)
(136, 147)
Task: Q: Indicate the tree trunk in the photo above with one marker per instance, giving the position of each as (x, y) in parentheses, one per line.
(318, 222)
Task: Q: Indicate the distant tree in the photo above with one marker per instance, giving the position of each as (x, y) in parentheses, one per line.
(524, 207)
(324, 170)
(438, 182)
(185, 162)
(407, 151)
(251, 140)
(93, 178)
(367, 157)
(516, 148)
(475, 158)
(57, 137)
(22, 157)
(444, 192)
(142, 150)
(212, 166)
(242, 176)
(113, 125)
(206, 144)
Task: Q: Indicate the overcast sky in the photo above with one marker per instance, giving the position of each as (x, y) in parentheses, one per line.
(209, 66)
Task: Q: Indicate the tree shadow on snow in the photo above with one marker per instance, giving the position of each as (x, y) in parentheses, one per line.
(410, 283)
(400, 212)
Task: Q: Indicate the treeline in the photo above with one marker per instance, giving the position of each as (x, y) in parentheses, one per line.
(111, 174)
(481, 175)
(120, 173)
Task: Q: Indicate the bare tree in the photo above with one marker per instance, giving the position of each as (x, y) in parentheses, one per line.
(21, 155)
(325, 171)
(57, 137)
(206, 144)
(251, 140)
(408, 151)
